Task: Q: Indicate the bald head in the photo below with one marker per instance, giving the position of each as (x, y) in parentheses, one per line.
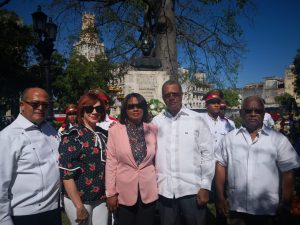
(34, 104)
(28, 91)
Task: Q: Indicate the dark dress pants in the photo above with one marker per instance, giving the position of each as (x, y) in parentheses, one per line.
(184, 210)
(52, 217)
(138, 214)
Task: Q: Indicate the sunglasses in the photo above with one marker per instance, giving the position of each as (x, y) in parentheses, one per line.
(214, 101)
(172, 94)
(37, 104)
(90, 109)
(256, 111)
(132, 106)
(72, 114)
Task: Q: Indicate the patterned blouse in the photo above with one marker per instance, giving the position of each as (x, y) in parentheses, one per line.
(137, 141)
(82, 158)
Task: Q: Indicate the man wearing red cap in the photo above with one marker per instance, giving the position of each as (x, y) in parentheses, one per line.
(218, 129)
(71, 119)
(217, 126)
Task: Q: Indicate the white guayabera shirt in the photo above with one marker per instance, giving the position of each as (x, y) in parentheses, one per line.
(254, 167)
(29, 174)
(185, 158)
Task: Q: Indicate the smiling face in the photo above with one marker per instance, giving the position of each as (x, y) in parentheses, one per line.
(34, 105)
(172, 96)
(134, 111)
(91, 115)
(252, 114)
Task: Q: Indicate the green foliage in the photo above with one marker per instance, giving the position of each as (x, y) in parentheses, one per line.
(207, 33)
(18, 68)
(283, 99)
(231, 97)
(80, 76)
(237, 121)
(297, 72)
(287, 104)
(15, 42)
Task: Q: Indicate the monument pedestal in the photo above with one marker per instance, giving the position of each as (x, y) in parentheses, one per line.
(146, 83)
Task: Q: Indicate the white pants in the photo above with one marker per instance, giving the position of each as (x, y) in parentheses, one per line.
(98, 212)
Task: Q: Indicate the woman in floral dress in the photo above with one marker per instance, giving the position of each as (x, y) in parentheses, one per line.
(82, 165)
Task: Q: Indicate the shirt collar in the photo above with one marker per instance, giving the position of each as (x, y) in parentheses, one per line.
(26, 124)
(182, 111)
(264, 130)
(211, 118)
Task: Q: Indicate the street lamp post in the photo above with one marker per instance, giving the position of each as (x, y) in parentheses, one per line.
(46, 32)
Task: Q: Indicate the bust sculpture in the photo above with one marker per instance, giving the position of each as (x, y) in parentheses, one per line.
(146, 61)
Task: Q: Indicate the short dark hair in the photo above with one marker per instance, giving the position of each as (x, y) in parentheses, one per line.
(141, 100)
(89, 99)
(171, 82)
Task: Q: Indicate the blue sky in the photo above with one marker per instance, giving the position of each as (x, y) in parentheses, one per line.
(272, 40)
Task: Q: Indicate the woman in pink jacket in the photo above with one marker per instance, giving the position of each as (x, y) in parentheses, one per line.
(131, 186)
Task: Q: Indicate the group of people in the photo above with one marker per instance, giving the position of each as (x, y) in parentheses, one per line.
(138, 166)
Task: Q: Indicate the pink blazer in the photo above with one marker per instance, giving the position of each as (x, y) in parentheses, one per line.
(123, 176)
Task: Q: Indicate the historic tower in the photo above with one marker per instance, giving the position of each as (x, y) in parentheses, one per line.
(88, 44)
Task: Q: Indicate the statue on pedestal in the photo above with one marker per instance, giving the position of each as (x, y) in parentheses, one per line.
(147, 61)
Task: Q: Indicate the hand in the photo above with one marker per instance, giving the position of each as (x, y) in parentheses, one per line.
(202, 197)
(82, 215)
(112, 203)
(222, 207)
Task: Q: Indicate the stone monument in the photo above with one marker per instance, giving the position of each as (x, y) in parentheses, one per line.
(146, 77)
(146, 61)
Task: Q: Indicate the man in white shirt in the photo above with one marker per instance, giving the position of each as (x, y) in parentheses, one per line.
(258, 162)
(184, 160)
(219, 127)
(29, 174)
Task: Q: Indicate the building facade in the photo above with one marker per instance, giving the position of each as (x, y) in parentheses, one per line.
(88, 44)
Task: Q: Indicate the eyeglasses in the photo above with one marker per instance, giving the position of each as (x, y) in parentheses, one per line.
(213, 101)
(36, 104)
(72, 114)
(256, 111)
(132, 106)
(172, 94)
(90, 109)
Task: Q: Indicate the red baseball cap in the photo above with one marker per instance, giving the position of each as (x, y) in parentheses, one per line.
(211, 96)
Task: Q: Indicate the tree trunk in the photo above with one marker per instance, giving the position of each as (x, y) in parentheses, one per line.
(166, 49)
